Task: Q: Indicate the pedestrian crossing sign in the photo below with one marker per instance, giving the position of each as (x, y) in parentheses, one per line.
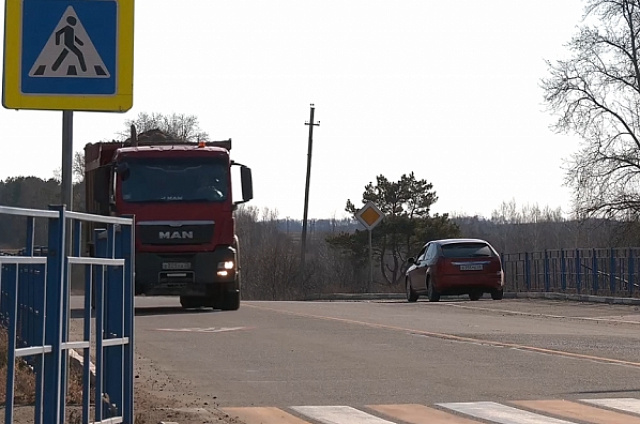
(68, 51)
(68, 55)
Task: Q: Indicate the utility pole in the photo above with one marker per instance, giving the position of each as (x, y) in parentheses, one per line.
(311, 124)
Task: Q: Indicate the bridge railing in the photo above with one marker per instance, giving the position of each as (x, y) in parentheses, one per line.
(598, 271)
(35, 310)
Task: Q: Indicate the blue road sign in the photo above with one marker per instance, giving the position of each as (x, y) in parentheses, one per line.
(75, 55)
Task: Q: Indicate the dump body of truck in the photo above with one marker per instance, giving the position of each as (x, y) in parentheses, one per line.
(180, 195)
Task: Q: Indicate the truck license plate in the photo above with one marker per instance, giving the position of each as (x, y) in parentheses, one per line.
(472, 267)
(176, 265)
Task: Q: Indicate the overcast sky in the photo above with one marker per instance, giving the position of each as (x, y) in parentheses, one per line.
(448, 90)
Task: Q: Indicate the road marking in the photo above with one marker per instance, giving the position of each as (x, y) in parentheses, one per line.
(203, 330)
(452, 337)
(615, 319)
(621, 404)
(339, 415)
(263, 415)
(576, 411)
(419, 414)
(502, 414)
(544, 412)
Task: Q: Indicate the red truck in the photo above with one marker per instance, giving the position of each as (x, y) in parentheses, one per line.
(180, 194)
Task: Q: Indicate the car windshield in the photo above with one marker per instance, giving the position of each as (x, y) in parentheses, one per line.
(174, 180)
(466, 250)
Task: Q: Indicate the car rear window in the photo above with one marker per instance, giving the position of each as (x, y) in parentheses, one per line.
(466, 250)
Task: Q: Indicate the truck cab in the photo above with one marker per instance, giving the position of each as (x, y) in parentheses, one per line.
(180, 195)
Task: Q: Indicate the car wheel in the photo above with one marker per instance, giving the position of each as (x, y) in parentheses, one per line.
(475, 295)
(432, 294)
(497, 294)
(412, 296)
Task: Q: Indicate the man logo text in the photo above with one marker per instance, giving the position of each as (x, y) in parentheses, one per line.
(168, 235)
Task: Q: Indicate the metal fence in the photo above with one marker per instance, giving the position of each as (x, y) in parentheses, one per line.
(604, 272)
(35, 310)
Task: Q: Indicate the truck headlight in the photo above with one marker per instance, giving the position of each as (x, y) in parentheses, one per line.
(224, 268)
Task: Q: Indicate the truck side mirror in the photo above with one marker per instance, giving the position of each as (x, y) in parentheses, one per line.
(122, 169)
(247, 183)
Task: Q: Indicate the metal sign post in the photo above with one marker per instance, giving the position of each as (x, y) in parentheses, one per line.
(68, 55)
(67, 159)
(370, 216)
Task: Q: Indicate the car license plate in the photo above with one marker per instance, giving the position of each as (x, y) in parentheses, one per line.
(471, 267)
(176, 265)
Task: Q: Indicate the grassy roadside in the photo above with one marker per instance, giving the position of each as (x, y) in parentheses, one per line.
(149, 409)
(25, 383)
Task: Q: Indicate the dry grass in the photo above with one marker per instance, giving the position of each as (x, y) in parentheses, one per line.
(25, 387)
(25, 379)
(25, 382)
(149, 407)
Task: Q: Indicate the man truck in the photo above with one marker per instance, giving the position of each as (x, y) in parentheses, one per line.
(180, 194)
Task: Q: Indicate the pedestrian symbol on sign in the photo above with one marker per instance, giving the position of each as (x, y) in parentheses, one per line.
(69, 36)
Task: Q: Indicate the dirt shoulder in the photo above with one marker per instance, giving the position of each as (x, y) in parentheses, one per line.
(157, 397)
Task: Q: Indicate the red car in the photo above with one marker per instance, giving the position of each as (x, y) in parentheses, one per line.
(454, 267)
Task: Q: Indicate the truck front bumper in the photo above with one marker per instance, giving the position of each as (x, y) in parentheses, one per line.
(193, 274)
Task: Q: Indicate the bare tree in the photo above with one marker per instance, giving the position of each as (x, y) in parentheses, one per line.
(77, 169)
(596, 95)
(176, 126)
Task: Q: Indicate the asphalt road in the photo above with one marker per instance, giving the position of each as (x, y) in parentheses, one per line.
(283, 354)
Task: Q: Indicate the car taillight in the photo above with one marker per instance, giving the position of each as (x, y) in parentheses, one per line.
(443, 265)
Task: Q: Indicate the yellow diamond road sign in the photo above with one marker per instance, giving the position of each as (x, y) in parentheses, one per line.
(369, 215)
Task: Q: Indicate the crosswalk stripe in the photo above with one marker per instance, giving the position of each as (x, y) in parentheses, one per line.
(419, 414)
(263, 415)
(591, 411)
(339, 415)
(621, 404)
(502, 414)
(576, 411)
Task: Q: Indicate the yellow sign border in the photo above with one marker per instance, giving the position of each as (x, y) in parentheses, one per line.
(13, 98)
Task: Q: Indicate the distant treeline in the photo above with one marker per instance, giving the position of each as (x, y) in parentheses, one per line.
(271, 248)
(509, 229)
(31, 193)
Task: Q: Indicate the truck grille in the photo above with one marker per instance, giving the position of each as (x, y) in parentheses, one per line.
(175, 232)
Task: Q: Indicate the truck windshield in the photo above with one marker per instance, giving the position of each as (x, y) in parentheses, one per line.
(174, 180)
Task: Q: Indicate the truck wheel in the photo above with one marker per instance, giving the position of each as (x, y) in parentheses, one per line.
(231, 301)
(189, 302)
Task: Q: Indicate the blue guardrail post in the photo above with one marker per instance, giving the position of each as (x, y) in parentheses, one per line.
(53, 376)
(547, 275)
(595, 287)
(527, 272)
(631, 283)
(612, 272)
(563, 271)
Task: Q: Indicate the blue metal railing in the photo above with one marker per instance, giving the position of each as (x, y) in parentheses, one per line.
(599, 271)
(35, 308)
